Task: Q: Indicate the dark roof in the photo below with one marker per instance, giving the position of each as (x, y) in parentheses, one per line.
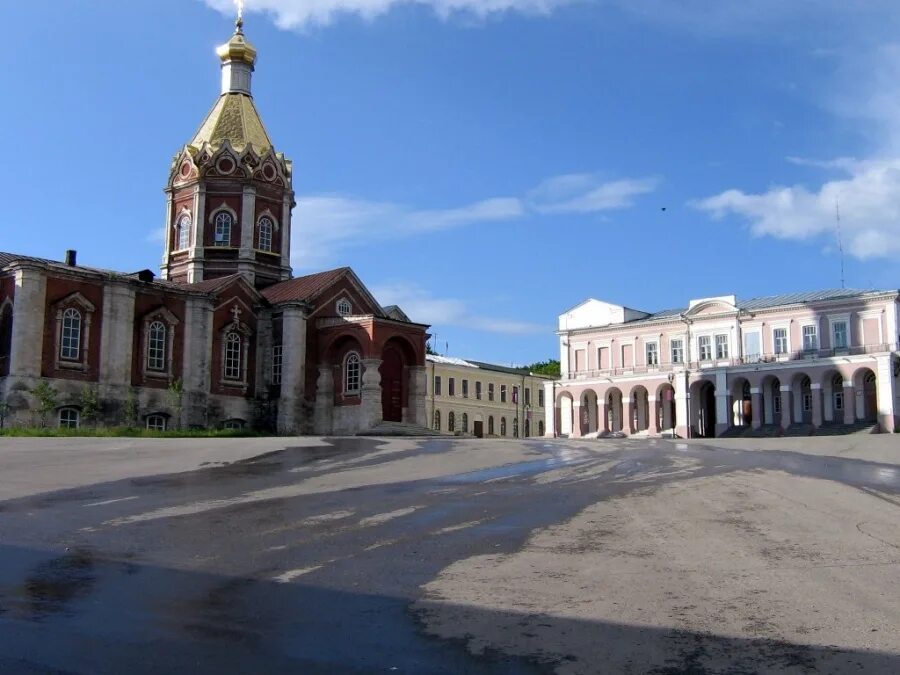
(212, 285)
(394, 312)
(303, 289)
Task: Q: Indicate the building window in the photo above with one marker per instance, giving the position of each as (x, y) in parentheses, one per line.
(840, 333)
(652, 354)
(491, 425)
(503, 426)
(807, 401)
(776, 403)
(490, 391)
(223, 224)
(515, 393)
(839, 400)
(344, 308)
(277, 360)
(780, 337)
(437, 420)
(70, 344)
(515, 427)
(705, 343)
(465, 388)
(156, 346)
(677, 351)
(451, 387)
(721, 346)
(352, 373)
(266, 226)
(810, 338)
(69, 418)
(465, 423)
(540, 398)
(527, 395)
(437, 385)
(232, 370)
(184, 232)
(478, 390)
(233, 425)
(451, 421)
(156, 422)
(502, 393)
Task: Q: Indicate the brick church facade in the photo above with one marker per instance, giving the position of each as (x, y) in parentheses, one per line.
(226, 336)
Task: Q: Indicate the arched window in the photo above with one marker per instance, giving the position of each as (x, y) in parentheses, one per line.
(503, 426)
(156, 346)
(344, 308)
(451, 421)
(232, 366)
(437, 420)
(156, 422)
(70, 344)
(515, 427)
(184, 232)
(223, 223)
(465, 423)
(266, 226)
(491, 425)
(69, 418)
(352, 373)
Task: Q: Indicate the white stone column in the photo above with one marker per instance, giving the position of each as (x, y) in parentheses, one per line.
(370, 408)
(756, 405)
(787, 406)
(167, 231)
(28, 324)
(723, 409)
(196, 366)
(293, 369)
(286, 237)
(549, 411)
(246, 253)
(682, 423)
(849, 402)
(884, 384)
(576, 418)
(323, 414)
(116, 341)
(418, 385)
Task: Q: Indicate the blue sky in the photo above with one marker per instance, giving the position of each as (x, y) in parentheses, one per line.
(484, 163)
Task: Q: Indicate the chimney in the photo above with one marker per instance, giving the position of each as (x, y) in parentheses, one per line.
(71, 255)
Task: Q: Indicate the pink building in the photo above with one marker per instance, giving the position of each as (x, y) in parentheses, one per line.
(796, 364)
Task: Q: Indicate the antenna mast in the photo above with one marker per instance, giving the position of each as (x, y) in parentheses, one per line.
(837, 215)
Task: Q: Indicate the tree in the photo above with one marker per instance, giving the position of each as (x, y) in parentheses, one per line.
(550, 367)
(45, 395)
(89, 401)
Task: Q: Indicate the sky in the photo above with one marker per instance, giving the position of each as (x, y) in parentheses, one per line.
(486, 164)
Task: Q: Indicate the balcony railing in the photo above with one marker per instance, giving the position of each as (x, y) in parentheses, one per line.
(800, 355)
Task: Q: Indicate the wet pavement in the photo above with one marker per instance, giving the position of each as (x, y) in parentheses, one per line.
(296, 561)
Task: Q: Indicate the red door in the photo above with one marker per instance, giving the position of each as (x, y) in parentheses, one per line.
(392, 386)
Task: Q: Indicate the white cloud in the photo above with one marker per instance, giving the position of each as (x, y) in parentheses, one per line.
(869, 197)
(292, 14)
(325, 224)
(421, 306)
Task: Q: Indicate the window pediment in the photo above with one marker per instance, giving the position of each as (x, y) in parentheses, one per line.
(78, 301)
(163, 314)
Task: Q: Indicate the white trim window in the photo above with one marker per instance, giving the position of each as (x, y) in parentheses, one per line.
(266, 228)
(721, 346)
(233, 357)
(704, 344)
(840, 334)
(677, 348)
(70, 339)
(223, 223)
(780, 340)
(343, 307)
(156, 422)
(352, 373)
(69, 418)
(156, 346)
(652, 352)
(277, 361)
(184, 232)
(437, 386)
(478, 390)
(810, 337)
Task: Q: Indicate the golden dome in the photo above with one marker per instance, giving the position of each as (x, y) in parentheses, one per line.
(237, 48)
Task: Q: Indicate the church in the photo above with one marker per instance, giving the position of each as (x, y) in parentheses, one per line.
(226, 337)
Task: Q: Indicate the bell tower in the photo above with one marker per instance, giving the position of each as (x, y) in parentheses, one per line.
(229, 193)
